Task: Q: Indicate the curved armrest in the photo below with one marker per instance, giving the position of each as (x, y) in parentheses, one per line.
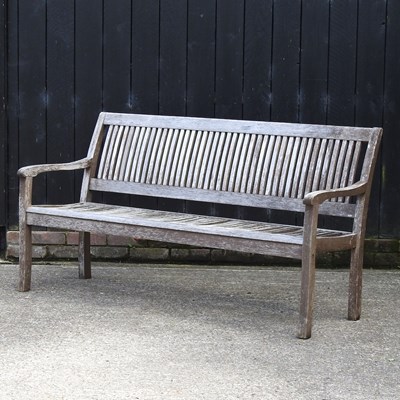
(34, 170)
(320, 196)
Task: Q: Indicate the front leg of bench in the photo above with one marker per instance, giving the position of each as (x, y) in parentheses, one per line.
(85, 271)
(308, 271)
(355, 281)
(25, 235)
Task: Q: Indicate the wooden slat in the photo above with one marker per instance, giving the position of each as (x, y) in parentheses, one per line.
(354, 163)
(254, 162)
(196, 153)
(147, 137)
(229, 162)
(125, 147)
(269, 166)
(166, 160)
(175, 158)
(146, 152)
(159, 156)
(208, 161)
(109, 151)
(288, 156)
(340, 164)
(223, 161)
(190, 136)
(235, 163)
(101, 167)
(248, 161)
(291, 177)
(115, 152)
(132, 152)
(215, 167)
(258, 170)
(277, 178)
(319, 165)
(136, 157)
(154, 154)
(326, 166)
(352, 167)
(312, 166)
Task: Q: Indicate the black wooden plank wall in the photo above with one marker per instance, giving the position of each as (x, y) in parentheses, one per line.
(3, 137)
(311, 61)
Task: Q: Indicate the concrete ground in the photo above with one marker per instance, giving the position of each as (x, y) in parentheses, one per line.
(180, 332)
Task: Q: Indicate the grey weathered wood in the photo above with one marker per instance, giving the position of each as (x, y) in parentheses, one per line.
(25, 232)
(292, 167)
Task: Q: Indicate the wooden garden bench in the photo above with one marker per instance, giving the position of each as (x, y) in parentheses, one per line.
(309, 169)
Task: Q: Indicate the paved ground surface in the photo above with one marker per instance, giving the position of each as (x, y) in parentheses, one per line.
(154, 332)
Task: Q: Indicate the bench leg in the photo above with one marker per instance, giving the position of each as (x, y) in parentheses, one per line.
(355, 283)
(307, 294)
(25, 257)
(85, 270)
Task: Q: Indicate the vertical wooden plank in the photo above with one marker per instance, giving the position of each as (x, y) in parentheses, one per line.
(314, 61)
(88, 75)
(342, 62)
(390, 211)
(370, 82)
(257, 60)
(88, 70)
(145, 44)
(229, 58)
(201, 58)
(229, 69)
(173, 49)
(60, 97)
(145, 56)
(257, 71)
(3, 126)
(12, 115)
(32, 94)
(117, 65)
(286, 60)
(201, 68)
(117, 56)
(173, 64)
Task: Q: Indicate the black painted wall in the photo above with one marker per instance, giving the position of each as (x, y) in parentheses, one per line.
(312, 61)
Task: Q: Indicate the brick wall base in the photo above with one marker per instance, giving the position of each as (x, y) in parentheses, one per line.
(55, 245)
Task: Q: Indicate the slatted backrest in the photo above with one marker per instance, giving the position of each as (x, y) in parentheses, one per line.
(194, 158)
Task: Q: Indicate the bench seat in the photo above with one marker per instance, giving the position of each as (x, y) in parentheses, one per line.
(251, 236)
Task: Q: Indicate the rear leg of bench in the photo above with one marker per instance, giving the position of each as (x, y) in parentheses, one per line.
(355, 283)
(85, 269)
(307, 294)
(25, 257)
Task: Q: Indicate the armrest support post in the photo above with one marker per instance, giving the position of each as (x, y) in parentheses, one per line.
(25, 234)
(308, 270)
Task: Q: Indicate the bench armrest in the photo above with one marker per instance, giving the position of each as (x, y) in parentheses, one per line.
(319, 196)
(34, 170)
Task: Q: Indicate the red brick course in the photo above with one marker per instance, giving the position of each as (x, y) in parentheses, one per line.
(56, 245)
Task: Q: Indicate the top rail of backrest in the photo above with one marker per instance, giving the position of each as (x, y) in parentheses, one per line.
(241, 126)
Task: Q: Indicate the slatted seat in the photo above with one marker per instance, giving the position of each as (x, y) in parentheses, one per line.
(315, 170)
(213, 229)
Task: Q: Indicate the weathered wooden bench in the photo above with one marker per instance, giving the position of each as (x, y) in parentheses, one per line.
(309, 169)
